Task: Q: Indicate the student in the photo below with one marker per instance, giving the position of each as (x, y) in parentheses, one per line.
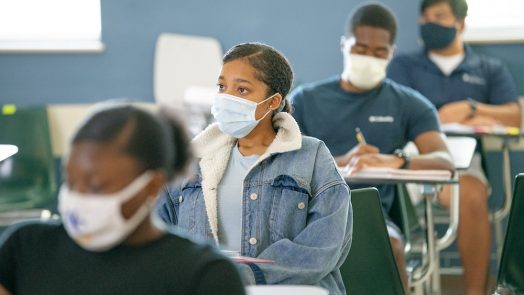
(467, 88)
(388, 114)
(119, 160)
(261, 188)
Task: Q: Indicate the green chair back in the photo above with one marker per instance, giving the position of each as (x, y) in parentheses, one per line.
(370, 267)
(404, 213)
(28, 178)
(511, 270)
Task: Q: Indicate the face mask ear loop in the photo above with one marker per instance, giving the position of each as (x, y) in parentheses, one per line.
(269, 111)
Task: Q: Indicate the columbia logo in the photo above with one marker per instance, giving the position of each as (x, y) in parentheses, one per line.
(473, 79)
(381, 119)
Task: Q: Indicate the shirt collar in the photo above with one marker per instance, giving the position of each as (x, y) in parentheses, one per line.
(470, 61)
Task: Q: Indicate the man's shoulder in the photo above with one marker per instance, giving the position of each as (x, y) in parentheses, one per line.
(313, 88)
(31, 230)
(401, 91)
(409, 58)
(405, 96)
(483, 61)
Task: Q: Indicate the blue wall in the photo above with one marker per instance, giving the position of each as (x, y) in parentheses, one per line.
(308, 34)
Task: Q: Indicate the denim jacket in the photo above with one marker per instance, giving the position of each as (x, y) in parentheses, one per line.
(296, 207)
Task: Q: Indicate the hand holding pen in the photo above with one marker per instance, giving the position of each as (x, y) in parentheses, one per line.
(361, 148)
(360, 136)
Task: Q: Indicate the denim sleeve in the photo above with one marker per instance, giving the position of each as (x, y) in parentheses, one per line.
(322, 246)
(319, 249)
(165, 207)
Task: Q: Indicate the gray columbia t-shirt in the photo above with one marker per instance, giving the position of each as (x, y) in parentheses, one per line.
(230, 199)
(389, 116)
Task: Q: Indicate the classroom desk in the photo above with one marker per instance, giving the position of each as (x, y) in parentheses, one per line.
(462, 150)
(508, 135)
(7, 150)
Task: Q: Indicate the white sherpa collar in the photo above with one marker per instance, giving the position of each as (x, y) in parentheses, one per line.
(213, 147)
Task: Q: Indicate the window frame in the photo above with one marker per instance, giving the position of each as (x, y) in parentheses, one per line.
(54, 44)
(493, 34)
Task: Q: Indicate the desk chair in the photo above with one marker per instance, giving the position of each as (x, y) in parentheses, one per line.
(27, 179)
(370, 267)
(405, 215)
(185, 75)
(511, 270)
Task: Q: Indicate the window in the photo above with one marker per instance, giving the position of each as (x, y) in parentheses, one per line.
(494, 21)
(50, 25)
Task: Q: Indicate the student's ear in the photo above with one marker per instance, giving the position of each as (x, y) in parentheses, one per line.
(392, 52)
(276, 101)
(461, 25)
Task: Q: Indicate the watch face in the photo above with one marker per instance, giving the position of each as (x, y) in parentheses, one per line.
(402, 154)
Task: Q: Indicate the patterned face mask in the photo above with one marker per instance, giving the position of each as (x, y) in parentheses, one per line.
(95, 221)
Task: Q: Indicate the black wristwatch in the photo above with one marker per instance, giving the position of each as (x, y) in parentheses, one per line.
(472, 106)
(404, 156)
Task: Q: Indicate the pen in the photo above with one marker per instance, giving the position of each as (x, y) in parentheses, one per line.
(360, 136)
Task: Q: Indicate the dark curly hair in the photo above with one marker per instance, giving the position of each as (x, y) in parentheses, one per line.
(271, 67)
(156, 141)
(459, 7)
(373, 15)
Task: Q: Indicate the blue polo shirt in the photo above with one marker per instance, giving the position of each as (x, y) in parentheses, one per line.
(389, 116)
(482, 78)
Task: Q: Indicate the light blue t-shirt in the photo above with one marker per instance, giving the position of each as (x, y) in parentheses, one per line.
(230, 199)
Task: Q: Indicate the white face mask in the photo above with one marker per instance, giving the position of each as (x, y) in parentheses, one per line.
(236, 115)
(95, 222)
(364, 72)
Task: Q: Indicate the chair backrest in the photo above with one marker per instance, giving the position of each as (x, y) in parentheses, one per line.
(511, 270)
(403, 212)
(285, 290)
(186, 65)
(28, 178)
(370, 267)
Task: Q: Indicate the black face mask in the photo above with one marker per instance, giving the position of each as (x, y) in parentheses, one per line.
(436, 36)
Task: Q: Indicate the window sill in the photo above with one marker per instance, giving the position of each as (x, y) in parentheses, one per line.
(52, 47)
(494, 35)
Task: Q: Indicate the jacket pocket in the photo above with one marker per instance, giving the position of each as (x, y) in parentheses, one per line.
(186, 205)
(289, 208)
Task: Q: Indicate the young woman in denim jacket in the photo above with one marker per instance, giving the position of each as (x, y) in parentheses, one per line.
(262, 189)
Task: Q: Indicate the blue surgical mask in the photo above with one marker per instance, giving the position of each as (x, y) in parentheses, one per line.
(235, 115)
(436, 36)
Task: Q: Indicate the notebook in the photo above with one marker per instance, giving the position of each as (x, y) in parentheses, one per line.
(400, 174)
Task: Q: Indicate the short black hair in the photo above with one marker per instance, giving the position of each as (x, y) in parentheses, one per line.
(159, 142)
(373, 15)
(459, 7)
(271, 67)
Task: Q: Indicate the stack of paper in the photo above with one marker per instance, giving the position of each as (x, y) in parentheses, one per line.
(400, 174)
(460, 129)
(236, 257)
